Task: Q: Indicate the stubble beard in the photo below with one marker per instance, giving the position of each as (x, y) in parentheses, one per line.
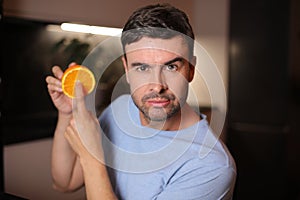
(157, 114)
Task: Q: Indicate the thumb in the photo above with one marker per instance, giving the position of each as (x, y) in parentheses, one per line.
(79, 93)
(79, 103)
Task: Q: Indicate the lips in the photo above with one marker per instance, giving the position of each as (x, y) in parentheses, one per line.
(158, 102)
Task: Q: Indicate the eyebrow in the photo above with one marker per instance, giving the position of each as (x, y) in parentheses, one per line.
(180, 59)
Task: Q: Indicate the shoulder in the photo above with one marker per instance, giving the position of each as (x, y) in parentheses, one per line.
(201, 179)
(217, 162)
(209, 148)
(206, 169)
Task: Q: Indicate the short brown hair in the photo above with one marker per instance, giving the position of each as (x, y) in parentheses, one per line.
(157, 21)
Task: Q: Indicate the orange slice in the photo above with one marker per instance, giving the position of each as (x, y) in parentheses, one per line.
(77, 73)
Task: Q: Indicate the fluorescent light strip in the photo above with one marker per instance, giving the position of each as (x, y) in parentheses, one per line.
(97, 30)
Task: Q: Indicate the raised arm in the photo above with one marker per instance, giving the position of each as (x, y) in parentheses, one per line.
(65, 167)
(84, 135)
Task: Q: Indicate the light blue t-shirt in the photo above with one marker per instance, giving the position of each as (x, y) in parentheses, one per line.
(146, 163)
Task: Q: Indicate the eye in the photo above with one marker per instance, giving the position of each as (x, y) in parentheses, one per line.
(171, 67)
(142, 68)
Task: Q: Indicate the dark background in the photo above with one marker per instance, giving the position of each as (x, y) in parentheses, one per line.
(263, 131)
(26, 109)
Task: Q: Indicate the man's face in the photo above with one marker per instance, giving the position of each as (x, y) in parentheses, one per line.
(158, 73)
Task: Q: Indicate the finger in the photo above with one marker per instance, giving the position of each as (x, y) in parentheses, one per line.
(70, 137)
(79, 93)
(53, 80)
(71, 131)
(73, 125)
(54, 88)
(53, 83)
(73, 137)
(58, 73)
(72, 64)
(67, 133)
(78, 102)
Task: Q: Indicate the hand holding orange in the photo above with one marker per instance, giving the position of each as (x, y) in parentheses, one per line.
(77, 73)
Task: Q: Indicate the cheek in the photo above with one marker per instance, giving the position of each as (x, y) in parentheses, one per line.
(178, 85)
(138, 87)
(136, 83)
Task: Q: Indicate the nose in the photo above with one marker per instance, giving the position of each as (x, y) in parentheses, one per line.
(158, 82)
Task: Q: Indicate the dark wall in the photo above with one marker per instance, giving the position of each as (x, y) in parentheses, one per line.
(259, 97)
(27, 112)
(28, 51)
(1, 140)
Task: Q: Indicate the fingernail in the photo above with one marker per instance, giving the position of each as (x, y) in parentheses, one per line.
(77, 82)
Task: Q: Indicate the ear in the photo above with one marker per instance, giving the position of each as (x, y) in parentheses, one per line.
(124, 61)
(192, 65)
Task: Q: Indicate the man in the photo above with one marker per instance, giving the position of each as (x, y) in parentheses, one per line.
(152, 138)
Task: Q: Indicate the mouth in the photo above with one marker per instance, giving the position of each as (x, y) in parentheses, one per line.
(157, 102)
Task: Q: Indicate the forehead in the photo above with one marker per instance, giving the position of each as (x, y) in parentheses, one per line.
(157, 47)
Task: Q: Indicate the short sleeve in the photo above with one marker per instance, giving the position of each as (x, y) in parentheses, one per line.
(201, 184)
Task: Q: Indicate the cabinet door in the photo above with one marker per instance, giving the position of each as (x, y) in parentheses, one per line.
(258, 97)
